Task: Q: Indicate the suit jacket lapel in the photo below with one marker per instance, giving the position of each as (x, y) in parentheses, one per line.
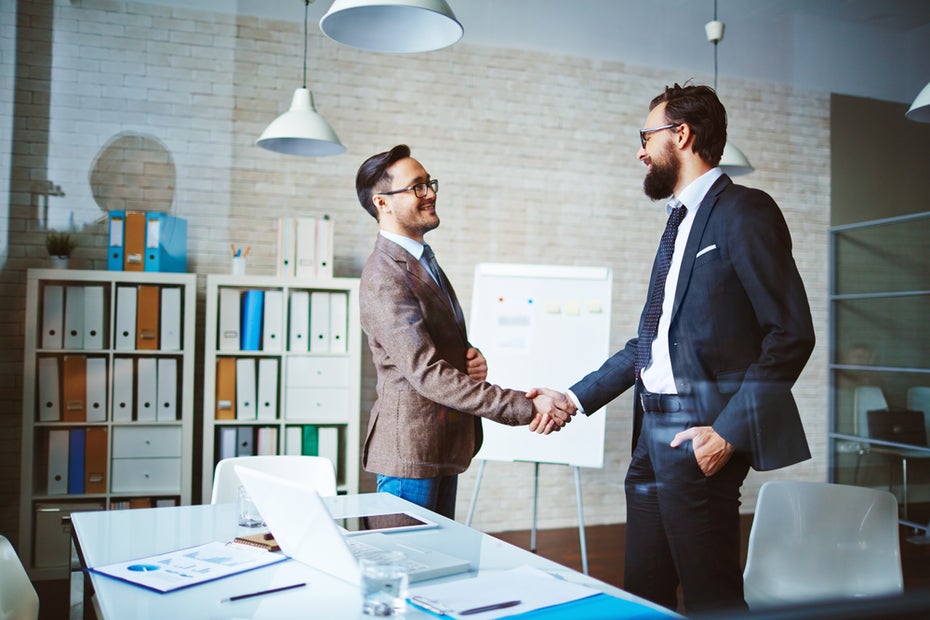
(694, 239)
(416, 269)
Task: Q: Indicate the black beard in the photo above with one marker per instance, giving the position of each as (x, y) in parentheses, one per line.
(661, 179)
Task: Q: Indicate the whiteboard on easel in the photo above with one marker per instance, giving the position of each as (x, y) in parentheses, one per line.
(542, 326)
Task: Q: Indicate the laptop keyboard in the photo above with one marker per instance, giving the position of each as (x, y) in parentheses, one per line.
(362, 550)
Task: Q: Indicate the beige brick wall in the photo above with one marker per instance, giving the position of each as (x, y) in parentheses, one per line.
(536, 154)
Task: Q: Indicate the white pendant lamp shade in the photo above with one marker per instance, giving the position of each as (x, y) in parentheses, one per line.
(733, 161)
(399, 26)
(301, 130)
(920, 109)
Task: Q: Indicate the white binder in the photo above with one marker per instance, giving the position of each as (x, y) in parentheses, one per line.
(167, 390)
(338, 322)
(329, 444)
(227, 442)
(273, 321)
(324, 248)
(58, 442)
(230, 299)
(93, 317)
(96, 370)
(305, 262)
(286, 246)
(74, 317)
(49, 403)
(267, 440)
(123, 377)
(147, 389)
(293, 440)
(319, 322)
(170, 316)
(126, 318)
(245, 389)
(53, 316)
(267, 389)
(245, 441)
(299, 322)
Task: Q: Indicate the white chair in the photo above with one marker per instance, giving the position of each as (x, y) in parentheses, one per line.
(314, 471)
(18, 599)
(816, 541)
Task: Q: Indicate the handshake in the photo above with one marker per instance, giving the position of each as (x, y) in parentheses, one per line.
(553, 410)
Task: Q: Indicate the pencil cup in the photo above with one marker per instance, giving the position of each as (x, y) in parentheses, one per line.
(384, 584)
(237, 266)
(248, 512)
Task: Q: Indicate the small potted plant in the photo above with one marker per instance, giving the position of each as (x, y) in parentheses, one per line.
(59, 246)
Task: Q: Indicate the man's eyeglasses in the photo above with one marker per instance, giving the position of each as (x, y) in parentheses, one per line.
(643, 132)
(419, 190)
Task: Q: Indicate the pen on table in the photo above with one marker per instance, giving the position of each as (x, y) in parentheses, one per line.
(481, 610)
(239, 597)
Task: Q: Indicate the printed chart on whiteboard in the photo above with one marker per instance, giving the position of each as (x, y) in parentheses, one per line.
(542, 326)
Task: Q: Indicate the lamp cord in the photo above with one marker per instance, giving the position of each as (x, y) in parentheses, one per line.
(306, 11)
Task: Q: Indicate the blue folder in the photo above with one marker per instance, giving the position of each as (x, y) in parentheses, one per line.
(76, 447)
(251, 320)
(597, 607)
(165, 243)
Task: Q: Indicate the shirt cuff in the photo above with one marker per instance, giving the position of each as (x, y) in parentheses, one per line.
(576, 401)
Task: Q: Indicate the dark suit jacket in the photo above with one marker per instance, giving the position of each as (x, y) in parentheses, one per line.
(740, 331)
(425, 421)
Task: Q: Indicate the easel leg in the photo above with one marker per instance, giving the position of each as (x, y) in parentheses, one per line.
(535, 505)
(474, 495)
(584, 546)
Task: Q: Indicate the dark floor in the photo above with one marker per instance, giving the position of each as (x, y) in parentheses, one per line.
(605, 546)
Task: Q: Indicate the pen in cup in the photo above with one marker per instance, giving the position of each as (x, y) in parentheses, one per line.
(239, 597)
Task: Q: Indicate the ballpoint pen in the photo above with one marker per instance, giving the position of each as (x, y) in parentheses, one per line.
(239, 597)
(479, 610)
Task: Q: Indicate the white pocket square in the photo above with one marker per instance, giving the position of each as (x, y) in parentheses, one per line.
(709, 248)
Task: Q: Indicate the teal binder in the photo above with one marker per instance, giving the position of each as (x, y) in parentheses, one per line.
(251, 322)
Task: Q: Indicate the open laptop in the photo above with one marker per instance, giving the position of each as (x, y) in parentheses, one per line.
(898, 425)
(303, 527)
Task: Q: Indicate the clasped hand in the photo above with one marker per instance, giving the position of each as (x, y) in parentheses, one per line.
(553, 410)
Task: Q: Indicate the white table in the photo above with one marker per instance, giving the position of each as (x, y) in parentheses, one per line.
(111, 536)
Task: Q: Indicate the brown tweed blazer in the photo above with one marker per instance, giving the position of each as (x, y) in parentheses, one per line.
(425, 421)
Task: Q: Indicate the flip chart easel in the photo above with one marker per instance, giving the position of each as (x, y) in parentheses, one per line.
(542, 326)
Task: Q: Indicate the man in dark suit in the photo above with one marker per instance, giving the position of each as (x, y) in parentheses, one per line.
(722, 339)
(425, 425)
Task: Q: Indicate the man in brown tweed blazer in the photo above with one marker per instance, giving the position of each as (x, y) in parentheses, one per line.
(425, 425)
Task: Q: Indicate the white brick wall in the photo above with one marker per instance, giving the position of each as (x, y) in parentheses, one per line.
(536, 154)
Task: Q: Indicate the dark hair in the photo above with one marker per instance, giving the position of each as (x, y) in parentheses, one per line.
(699, 107)
(373, 174)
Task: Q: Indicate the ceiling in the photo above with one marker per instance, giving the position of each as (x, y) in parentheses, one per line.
(869, 48)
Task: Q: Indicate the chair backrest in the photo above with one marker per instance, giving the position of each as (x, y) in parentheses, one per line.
(817, 541)
(867, 398)
(316, 472)
(18, 599)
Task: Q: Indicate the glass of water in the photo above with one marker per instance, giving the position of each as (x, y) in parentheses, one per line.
(384, 584)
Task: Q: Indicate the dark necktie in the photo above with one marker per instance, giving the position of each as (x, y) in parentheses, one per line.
(433, 265)
(657, 295)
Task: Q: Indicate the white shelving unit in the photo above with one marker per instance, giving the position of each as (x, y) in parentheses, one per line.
(282, 371)
(108, 401)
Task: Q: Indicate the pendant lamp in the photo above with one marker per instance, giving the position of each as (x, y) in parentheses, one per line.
(920, 109)
(301, 130)
(733, 161)
(398, 26)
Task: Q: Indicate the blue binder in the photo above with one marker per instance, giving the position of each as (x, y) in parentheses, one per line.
(165, 243)
(76, 461)
(251, 321)
(115, 234)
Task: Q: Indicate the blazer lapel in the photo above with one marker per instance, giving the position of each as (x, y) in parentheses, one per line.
(694, 239)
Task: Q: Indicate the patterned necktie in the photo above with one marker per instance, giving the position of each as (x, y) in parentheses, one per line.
(433, 265)
(654, 310)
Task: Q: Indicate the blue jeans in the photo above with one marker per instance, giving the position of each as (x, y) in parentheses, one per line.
(436, 494)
